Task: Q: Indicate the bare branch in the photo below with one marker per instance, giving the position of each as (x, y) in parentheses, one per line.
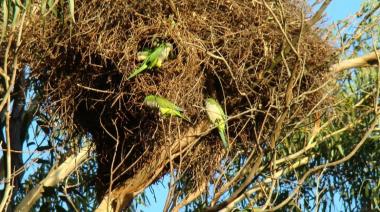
(359, 62)
(318, 15)
(7, 101)
(54, 177)
(298, 163)
(241, 189)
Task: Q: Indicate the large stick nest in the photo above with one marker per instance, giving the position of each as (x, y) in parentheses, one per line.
(229, 50)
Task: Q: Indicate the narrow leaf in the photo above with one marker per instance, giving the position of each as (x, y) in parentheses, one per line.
(16, 11)
(43, 7)
(71, 7)
(340, 149)
(52, 6)
(30, 144)
(5, 20)
(42, 161)
(43, 148)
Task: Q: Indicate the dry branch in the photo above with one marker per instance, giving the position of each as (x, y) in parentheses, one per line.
(300, 162)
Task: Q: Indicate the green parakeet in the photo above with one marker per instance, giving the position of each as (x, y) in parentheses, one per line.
(166, 107)
(153, 59)
(218, 118)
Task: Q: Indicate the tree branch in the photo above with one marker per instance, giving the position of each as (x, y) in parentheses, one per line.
(242, 187)
(359, 62)
(327, 165)
(54, 177)
(318, 15)
(121, 196)
(276, 175)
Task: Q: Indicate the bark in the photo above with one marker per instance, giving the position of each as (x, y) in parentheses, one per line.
(54, 177)
(359, 62)
(319, 14)
(16, 128)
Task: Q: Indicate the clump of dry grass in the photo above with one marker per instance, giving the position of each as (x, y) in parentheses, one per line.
(235, 51)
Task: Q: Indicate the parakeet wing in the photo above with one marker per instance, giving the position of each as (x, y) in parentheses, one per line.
(214, 110)
(168, 111)
(155, 55)
(151, 101)
(164, 54)
(164, 103)
(151, 59)
(165, 106)
(142, 55)
(217, 117)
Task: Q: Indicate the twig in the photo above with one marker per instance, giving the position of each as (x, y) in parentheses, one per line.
(281, 28)
(191, 197)
(146, 175)
(378, 77)
(276, 175)
(346, 158)
(359, 29)
(94, 89)
(242, 187)
(67, 196)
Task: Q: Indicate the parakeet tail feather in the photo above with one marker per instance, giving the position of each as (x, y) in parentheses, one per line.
(186, 118)
(223, 137)
(137, 71)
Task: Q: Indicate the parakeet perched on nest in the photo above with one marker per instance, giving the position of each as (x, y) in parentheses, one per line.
(218, 118)
(166, 107)
(153, 58)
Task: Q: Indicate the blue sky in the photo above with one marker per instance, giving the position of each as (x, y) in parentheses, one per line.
(337, 10)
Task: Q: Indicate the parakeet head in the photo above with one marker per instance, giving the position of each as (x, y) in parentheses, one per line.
(168, 49)
(151, 100)
(169, 46)
(213, 110)
(211, 101)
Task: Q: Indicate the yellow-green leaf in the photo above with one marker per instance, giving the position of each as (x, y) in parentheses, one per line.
(43, 7)
(16, 11)
(340, 149)
(71, 8)
(5, 20)
(52, 6)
